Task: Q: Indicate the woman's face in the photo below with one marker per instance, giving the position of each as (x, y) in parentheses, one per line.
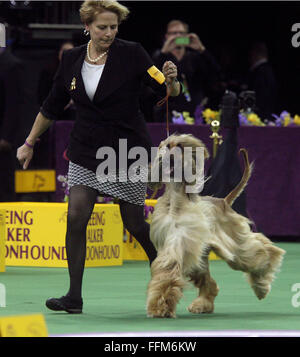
(103, 30)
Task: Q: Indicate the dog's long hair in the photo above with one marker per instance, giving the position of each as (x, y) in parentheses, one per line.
(186, 227)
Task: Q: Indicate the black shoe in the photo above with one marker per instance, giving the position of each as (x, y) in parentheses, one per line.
(65, 303)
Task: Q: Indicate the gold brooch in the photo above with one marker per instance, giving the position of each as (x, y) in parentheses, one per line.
(73, 84)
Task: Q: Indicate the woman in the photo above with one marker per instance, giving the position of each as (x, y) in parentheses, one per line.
(107, 110)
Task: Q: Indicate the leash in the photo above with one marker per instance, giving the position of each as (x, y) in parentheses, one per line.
(162, 102)
(159, 104)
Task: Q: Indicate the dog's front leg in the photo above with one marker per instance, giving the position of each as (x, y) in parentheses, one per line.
(208, 290)
(164, 289)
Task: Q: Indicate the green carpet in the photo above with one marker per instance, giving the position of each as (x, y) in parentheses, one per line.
(114, 299)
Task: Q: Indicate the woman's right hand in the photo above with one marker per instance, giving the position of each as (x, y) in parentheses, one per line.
(24, 155)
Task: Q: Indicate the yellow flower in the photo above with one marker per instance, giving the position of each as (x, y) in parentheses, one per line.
(255, 120)
(287, 120)
(209, 115)
(297, 119)
(188, 119)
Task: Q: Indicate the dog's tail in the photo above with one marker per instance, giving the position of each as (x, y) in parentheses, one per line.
(234, 194)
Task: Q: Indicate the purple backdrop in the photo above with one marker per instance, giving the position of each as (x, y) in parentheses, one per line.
(273, 193)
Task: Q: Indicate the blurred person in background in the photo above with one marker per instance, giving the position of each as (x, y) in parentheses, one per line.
(261, 79)
(11, 97)
(197, 69)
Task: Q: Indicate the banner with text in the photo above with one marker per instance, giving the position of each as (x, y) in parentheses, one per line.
(2, 240)
(35, 235)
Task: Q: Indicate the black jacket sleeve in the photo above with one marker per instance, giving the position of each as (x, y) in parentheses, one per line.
(144, 62)
(58, 97)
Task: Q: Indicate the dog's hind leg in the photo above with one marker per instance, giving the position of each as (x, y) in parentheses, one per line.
(259, 259)
(165, 288)
(208, 290)
(262, 276)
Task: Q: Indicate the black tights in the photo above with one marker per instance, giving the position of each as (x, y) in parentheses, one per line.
(81, 204)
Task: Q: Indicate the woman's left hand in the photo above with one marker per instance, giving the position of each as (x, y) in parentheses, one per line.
(170, 71)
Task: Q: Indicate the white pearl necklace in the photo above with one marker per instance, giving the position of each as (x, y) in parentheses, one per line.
(88, 54)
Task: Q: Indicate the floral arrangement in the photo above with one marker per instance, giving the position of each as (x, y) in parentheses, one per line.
(285, 119)
(250, 119)
(182, 118)
(210, 115)
(206, 116)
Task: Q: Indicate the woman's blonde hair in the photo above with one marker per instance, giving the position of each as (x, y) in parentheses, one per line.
(90, 9)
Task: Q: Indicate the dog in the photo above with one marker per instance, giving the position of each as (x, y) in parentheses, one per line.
(185, 227)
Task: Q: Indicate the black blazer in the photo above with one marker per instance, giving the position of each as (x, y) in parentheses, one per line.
(114, 112)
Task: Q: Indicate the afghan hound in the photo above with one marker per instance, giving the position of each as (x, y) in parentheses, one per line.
(185, 227)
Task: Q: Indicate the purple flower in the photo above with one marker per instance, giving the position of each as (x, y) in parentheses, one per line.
(275, 116)
(177, 118)
(284, 114)
(243, 119)
(278, 121)
(198, 115)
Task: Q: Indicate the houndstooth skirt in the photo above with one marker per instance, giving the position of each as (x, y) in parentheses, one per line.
(127, 190)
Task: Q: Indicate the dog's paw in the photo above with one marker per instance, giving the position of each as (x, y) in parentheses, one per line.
(261, 291)
(261, 284)
(160, 308)
(161, 314)
(201, 306)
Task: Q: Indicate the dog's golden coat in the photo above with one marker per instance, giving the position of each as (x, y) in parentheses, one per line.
(186, 227)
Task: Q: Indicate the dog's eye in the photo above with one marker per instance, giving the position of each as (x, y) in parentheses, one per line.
(168, 146)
